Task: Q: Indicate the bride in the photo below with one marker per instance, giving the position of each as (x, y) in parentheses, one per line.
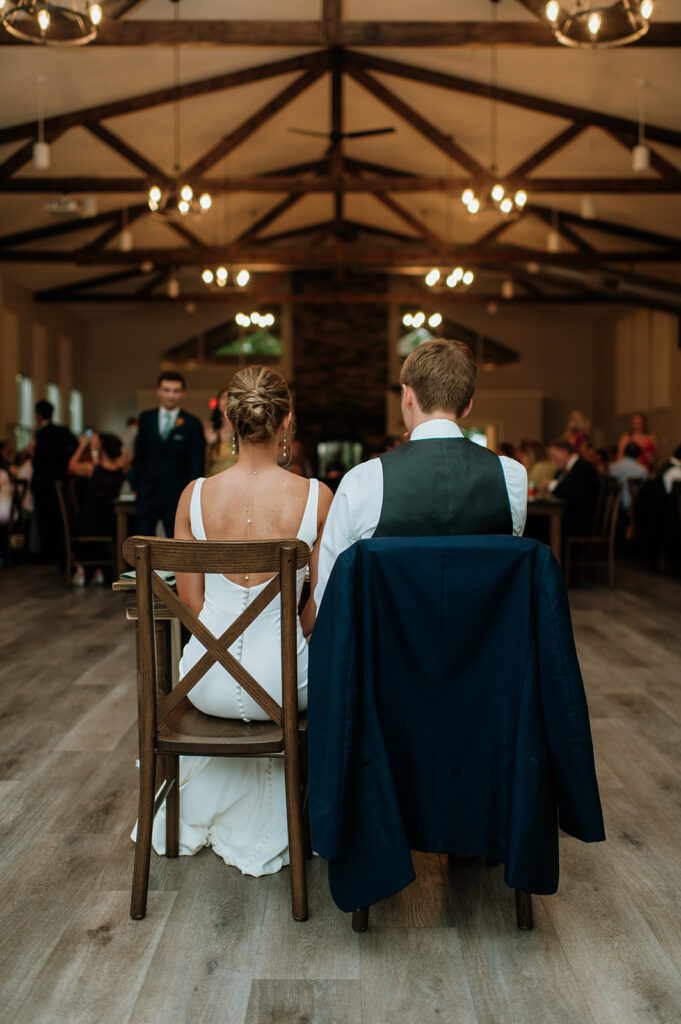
(238, 805)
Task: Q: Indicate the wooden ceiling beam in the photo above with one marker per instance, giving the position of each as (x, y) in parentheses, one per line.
(125, 8)
(158, 97)
(443, 142)
(554, 219)
(160, 277)
(609, 227)
(267, 218)
(554, 145)
(513, 97)
(63, 228)
(184, 232)
(290, 32)
(248, 127)
(262, 255)
(349, 183)
(121, 147)
(66, 292)
(422, 229)
(331, 20)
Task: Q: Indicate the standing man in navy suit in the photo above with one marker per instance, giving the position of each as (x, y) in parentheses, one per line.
(169, 453)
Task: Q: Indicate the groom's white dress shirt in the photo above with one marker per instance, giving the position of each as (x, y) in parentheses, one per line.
(356, 508)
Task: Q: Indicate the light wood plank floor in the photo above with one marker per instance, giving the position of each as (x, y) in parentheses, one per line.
(218, 947)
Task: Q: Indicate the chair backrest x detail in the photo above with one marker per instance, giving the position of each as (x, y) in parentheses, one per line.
(281, 557)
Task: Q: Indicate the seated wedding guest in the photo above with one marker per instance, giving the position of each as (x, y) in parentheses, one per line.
(101, 462)
(169, 452)
(539, 467)
(628, 468)
(671, 471)
(238, 805)
(52, 449)
(438, 483)
(639, 434)
(220, 441)
(576, 482)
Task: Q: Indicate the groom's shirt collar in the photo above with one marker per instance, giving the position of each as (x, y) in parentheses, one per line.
(435, 428)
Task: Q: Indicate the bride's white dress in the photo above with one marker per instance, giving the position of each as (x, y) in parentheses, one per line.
(238, 805)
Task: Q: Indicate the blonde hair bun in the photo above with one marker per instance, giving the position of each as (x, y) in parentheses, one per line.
(257, 402)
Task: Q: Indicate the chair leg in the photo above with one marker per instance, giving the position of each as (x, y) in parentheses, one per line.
(145, 821)
(360, 919)
(523, 910)
(296, 843)
(172, 765)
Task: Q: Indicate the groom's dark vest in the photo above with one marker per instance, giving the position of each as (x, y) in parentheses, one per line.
(441, 487)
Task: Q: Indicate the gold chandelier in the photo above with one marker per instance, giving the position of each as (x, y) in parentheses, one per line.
(593, 23)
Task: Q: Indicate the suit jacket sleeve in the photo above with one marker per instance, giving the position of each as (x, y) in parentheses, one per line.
(332, 707)
(565, 711)
(140, 457)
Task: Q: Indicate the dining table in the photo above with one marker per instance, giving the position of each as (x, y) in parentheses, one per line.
(552, 509)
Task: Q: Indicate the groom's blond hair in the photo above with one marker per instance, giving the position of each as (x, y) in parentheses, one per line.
(441, 374)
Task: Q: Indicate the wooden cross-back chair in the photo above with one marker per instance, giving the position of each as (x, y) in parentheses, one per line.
(598, 549)
(75, 544)
(170, 725)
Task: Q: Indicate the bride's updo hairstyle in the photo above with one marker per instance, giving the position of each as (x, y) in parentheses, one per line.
(257, 402)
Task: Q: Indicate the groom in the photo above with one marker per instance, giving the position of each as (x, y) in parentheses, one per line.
(439, 483)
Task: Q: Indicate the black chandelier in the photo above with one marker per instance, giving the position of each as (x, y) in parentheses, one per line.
(69, 23)
(596, 23)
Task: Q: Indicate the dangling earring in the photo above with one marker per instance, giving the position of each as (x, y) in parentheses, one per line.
(235, 446)
(286, 453)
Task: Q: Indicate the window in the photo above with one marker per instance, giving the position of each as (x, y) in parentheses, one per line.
(23, 430)
(76, 411)
(54, 398)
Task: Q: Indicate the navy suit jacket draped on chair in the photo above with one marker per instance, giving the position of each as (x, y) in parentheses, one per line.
(446, 713)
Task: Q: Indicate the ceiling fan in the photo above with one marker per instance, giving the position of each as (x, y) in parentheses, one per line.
(335, 136)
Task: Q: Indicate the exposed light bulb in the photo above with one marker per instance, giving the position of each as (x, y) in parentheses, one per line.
(269, 320)
(552, 10)
(520, 198)
(242, 278)
(419, 319)
(407, 319)
(646, 9)
(255, 317)
(594, 23)
(506, 205)
(497, 193)
(435, 320)
(451, 281)
(187, 193)
(640, 159)
(205, 201)
(457, 273)
(242, 320)
(467, 196)
(468, 277)
(183, 206)
(222, 281)
(221, 273)
(207, 276)
(474, 205)
(95, 12)
(155, 194)
(432, 277)
(43, 19)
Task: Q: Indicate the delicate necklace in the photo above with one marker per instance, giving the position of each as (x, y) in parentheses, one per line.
(250, 512)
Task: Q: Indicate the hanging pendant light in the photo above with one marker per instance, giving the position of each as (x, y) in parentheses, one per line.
(180, 197)
(41, 149)
(640, 154)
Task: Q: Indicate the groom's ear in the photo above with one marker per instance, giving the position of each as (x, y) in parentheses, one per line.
(466, 411)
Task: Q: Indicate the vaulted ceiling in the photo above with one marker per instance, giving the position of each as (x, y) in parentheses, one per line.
(256, 79)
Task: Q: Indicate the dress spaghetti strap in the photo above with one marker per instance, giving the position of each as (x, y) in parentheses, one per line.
(195, 517)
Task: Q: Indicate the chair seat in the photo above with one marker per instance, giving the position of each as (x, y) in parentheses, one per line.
(189, 731)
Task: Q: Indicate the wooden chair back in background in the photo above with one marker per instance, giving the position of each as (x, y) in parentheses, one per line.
(170, 725)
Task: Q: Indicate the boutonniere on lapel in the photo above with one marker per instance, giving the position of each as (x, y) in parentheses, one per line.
(179, 422)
